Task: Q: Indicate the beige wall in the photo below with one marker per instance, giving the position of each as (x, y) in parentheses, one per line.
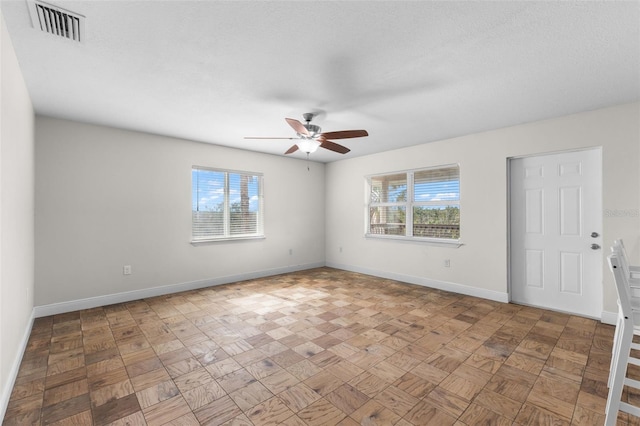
(16, 215)
(107, 197)
(480, 265)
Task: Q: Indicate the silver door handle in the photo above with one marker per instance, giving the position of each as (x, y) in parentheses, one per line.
(595, 246)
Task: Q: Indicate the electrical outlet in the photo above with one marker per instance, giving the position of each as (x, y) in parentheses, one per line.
(290, 252)
(447, 263)
(340, 249)
(126, 270)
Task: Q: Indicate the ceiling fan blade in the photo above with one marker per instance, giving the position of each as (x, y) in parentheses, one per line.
(332, 146)
(292, 149)
(266, 137)
(345, 134)
(297, 126)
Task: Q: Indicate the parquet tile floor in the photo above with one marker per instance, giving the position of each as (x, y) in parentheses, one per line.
(317, 347)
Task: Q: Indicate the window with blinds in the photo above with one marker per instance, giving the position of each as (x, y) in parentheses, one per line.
(415, 204)
(226, 204)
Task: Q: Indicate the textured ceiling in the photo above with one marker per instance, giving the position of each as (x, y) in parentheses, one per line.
(408, 72)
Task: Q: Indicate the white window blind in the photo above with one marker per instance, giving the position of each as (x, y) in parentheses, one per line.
(226, 204)
(436, 203)
(415, 204)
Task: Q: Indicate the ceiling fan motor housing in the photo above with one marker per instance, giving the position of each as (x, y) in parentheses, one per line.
(314, 131)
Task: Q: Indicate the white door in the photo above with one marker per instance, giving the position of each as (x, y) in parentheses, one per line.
(555, 231)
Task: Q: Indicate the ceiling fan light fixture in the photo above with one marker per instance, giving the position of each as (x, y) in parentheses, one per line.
(308, 145)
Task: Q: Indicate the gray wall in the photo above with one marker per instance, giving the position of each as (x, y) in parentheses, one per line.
(107, 197)
(16, 215)
(480, 266)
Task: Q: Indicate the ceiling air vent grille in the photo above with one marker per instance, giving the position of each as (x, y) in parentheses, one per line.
(57, 21)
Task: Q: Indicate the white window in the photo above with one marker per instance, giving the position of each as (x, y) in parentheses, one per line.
(417, 204)
(226, 204)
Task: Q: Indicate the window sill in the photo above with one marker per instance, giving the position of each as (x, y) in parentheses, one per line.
(419, 240)
(226, 240)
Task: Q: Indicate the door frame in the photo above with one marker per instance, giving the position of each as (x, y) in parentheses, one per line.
(509, 210)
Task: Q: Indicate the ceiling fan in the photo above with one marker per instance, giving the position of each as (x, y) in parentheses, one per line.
(309, 136)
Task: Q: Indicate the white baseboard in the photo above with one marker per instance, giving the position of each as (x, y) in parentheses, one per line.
(609, 317)
(93, 302)
(426, 282)
(15, 367)
(110, 299)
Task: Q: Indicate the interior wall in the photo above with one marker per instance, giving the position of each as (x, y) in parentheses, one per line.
(480, 265)
(16, 215)
(107, 197)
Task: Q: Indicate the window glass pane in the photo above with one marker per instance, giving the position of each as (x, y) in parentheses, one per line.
(243, 203)
(440, 185)
(387, 220)
(225, 204)
(389, 189)
(436, 221)
(207, 190)
(431, 197)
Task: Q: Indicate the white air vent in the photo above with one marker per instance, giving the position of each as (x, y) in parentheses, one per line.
(57, 21)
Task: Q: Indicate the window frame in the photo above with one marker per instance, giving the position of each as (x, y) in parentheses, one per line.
(408, 206)
(227, 235)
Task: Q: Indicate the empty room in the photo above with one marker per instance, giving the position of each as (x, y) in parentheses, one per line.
(319, 213)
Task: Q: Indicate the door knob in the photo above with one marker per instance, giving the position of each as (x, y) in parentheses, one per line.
(595, 246)
(594, 235)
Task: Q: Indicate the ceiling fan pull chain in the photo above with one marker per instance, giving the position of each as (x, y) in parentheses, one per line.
(308, 169)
